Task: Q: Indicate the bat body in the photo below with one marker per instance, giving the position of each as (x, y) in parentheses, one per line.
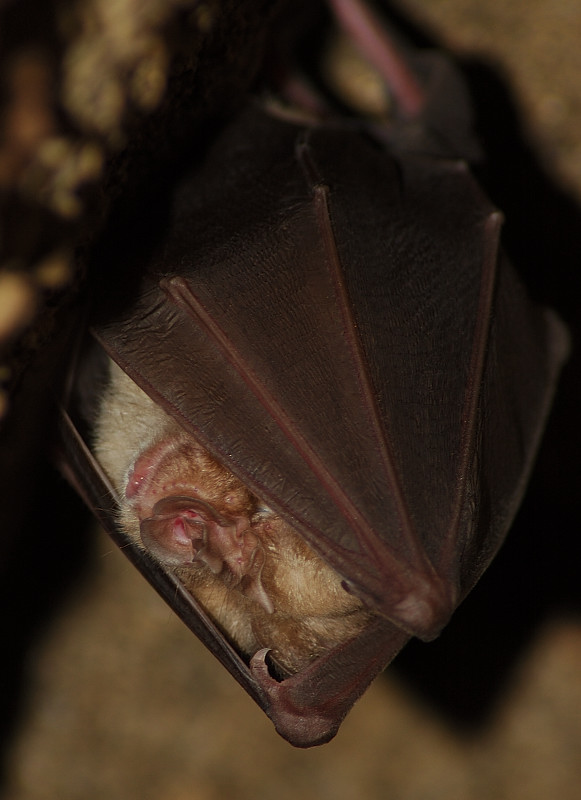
(248, 568)
(323, 404)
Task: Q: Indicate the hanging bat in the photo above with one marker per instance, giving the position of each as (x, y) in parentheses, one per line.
(324, 398)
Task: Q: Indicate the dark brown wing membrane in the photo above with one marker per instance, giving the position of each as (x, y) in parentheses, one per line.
(343, 350)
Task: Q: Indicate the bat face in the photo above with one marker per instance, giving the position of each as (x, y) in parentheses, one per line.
(326, 392)
(258, 580)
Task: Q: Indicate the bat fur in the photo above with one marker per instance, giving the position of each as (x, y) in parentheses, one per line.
(297, 606)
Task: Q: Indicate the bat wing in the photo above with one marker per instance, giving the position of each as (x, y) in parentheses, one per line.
(357, 351)
(338, 326)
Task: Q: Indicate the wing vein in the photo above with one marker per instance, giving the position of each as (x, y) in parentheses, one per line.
(472, 395)
(181, 294)
(367, 391)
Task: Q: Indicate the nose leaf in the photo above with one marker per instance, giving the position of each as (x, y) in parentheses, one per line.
(186, 530)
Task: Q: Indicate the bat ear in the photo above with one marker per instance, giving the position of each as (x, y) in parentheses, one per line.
(173, 530)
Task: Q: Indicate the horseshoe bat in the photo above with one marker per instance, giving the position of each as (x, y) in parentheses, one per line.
(325, 395)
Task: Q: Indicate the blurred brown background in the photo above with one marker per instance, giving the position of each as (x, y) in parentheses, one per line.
(118, 701)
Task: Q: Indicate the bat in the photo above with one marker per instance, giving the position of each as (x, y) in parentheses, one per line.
(322, 399)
